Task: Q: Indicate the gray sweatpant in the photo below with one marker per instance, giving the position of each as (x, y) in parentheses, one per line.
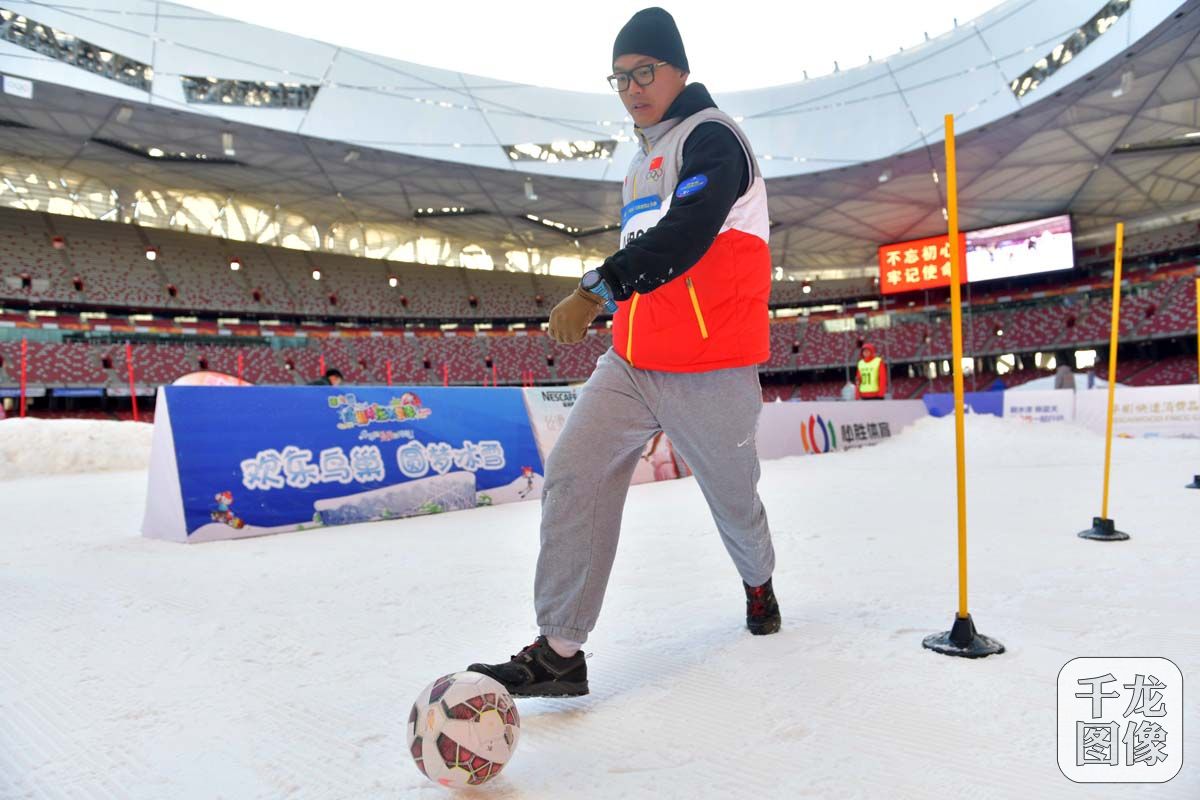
(710, 418)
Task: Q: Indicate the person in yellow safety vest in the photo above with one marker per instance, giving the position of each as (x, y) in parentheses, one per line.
(871, 381)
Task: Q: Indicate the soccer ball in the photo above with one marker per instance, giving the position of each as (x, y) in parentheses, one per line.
(463, 729)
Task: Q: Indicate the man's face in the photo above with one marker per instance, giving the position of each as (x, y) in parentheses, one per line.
(335, 380)
(647, 104)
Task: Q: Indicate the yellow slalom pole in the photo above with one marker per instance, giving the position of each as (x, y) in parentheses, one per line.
(1103, 528)
(962, 639)
(956, 329)
(1112, 361)
(1195, 484)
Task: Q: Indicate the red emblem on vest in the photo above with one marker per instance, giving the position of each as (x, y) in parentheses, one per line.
(655, 172)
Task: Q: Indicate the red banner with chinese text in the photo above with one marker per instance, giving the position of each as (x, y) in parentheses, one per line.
(919, 264)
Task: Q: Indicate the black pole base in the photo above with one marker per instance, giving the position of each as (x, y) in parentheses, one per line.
(1195, 484)
(1103, 530)
(963, 640)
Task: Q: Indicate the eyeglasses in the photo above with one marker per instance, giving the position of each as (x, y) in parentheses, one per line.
(643, 76)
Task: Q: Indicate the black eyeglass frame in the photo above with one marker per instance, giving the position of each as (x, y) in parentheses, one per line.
(614, 80)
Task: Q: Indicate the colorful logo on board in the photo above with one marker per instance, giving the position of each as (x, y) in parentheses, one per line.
(818, 436)
(354, 414)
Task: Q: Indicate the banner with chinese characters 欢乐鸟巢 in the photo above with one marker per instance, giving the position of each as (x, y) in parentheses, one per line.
(231, 462)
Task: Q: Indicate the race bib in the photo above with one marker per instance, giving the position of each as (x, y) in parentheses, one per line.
(640, 216)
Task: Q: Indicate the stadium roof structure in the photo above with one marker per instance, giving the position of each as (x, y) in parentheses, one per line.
(1090, 107)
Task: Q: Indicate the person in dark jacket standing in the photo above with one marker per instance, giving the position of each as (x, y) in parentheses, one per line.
(332, 377)
(689, 288)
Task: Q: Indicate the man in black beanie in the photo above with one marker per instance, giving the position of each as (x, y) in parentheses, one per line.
(650, 42)
(688, 289)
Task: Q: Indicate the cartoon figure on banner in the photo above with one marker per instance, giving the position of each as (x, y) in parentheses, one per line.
(527, 474)
(223, 513)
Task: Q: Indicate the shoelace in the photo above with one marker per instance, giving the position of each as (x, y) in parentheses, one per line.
(524, 655)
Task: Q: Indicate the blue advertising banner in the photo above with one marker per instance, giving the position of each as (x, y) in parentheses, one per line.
(80, 391)
(259, 460)
(942, 405)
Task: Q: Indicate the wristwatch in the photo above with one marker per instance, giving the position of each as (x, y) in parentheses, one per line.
(592, 281)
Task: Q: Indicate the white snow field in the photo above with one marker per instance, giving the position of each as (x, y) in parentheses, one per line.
(284, 666)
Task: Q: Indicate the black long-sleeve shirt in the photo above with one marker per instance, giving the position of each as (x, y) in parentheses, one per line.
(692, 223)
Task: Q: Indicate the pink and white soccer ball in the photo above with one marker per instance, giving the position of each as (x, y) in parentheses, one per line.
(463, 729)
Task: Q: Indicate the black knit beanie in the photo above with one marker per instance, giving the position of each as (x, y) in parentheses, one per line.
(652, 32)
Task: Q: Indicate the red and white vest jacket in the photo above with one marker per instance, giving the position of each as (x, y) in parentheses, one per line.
(714, 315)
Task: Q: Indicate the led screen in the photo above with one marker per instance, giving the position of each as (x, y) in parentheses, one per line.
(1022, 248)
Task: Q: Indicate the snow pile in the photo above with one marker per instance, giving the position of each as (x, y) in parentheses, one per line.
(1047, 384)
(1008, 443)
(32, 446)
(990, 441)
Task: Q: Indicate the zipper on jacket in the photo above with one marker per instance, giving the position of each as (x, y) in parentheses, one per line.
(696, 307)
(629, 337)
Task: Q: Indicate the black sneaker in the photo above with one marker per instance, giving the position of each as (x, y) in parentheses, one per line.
(762, 612)
(538, 671)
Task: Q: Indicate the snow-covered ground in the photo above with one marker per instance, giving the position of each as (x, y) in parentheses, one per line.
(285, 666)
